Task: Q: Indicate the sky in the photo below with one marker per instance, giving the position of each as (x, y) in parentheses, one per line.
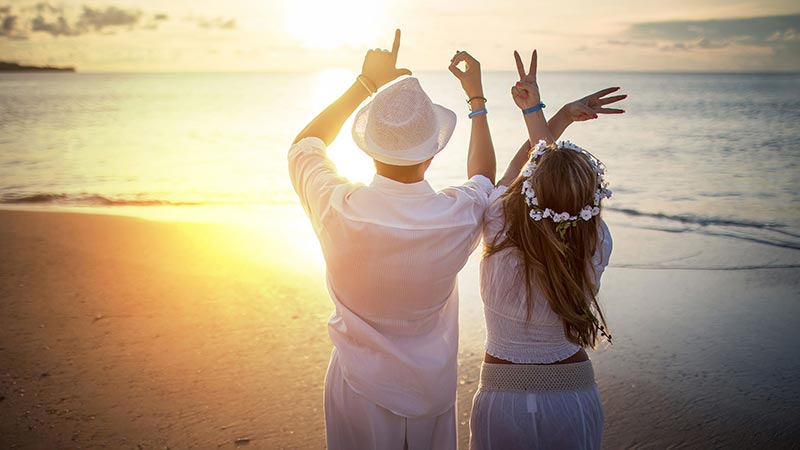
(309, 35)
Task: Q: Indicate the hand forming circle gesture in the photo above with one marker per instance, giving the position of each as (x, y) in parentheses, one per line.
(470, 77)
(526, 91)
(590, 106)
(379, 64)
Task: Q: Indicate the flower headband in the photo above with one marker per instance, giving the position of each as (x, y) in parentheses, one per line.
(563, 219)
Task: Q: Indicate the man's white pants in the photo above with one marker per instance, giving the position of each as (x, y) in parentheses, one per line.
(352, 422)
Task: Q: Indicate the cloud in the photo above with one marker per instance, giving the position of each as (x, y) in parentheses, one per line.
(9, 27)
(218, 22)
(750, 44)
(57, 27)
(713, 34)
(54, 20)
(97, 19)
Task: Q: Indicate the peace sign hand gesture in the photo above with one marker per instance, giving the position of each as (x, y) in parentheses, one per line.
(379, 64)
(526, 91)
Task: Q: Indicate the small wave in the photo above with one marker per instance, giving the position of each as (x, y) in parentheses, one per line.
(87, 200)
(768, 233)
(697, 220)
(723, 268)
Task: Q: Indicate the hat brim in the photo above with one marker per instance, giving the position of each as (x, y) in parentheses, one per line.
(446, 124)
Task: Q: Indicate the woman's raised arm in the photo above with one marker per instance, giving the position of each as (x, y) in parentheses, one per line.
(481, 158)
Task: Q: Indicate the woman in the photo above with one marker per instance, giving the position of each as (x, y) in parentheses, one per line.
(545, 250)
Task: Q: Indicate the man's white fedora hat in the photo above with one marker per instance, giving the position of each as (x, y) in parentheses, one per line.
(401, 126)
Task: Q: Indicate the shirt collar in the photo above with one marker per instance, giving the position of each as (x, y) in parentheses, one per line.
(389, 186)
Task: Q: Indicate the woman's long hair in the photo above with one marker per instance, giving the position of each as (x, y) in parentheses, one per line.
(564, 181)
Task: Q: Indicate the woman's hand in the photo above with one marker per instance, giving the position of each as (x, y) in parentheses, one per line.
(526, 91)
(379, 64)
(590, 106)
(470, 77)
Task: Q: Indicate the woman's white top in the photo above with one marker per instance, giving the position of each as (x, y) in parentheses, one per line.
(392, 252)
(509, 335)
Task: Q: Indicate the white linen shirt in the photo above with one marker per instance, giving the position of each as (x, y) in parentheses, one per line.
(393, 251)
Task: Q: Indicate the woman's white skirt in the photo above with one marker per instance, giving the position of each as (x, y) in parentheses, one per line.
(524, 406)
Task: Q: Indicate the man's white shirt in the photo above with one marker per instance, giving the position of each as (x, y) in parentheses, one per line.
(393, 251)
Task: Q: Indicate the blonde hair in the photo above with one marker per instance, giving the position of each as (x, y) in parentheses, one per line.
(564, 180)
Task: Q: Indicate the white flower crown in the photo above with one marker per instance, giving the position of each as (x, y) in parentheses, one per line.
(563, 219)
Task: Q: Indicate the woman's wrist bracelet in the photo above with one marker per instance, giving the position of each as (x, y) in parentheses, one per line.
(478, 112)
(533, 109)
(477, 97)
(363, 80)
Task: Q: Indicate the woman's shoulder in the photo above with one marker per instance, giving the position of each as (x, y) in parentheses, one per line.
(493, 215)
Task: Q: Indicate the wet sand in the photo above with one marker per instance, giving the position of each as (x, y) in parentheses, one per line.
(125, 333)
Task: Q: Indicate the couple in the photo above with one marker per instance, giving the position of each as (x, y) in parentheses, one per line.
(393, 250)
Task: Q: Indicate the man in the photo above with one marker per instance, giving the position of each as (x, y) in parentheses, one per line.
(393, 250)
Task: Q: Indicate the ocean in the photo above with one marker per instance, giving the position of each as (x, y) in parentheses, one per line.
(702, 290)
(711, 153)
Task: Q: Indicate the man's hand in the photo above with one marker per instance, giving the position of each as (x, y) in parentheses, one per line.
(590, 106)
(526, 92)
(379, 64)
(470, 77)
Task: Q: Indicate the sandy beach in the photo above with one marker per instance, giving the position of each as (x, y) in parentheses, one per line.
(124, 333)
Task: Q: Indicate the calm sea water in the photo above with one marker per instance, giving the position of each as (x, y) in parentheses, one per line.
(704, 355)
(711, 152)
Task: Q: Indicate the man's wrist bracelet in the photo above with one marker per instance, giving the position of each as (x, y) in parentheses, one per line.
(363, 80)
(533, 109)
(477, 97)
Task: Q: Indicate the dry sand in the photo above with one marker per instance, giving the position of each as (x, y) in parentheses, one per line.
(123, 333)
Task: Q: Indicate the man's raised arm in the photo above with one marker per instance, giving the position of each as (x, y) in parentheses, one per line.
(377, 70)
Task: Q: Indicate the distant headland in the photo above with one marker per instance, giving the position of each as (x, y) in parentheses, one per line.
(14, 67)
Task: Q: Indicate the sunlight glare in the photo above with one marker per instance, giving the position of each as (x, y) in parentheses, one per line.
(330, 24)
(350, 161)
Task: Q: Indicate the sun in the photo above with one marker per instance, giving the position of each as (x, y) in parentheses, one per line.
(328, 24)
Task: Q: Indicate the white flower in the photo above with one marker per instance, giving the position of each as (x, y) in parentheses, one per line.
(586, 213)
(536, 215)
(566, 216)
(548, 213)
(534, 200)
(595, 211)
(526, 184)
(527, 172)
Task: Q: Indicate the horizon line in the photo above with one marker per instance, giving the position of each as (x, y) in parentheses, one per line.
(289, 72)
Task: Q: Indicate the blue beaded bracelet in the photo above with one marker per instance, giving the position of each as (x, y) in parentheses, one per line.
(477, 112)
(533, 109)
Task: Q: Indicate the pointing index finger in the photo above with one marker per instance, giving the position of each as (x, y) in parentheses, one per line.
(396, 44)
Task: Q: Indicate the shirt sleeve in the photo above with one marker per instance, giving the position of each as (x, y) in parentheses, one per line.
(479, 188)
(493, 217)
(313, 177)
(602, 255)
